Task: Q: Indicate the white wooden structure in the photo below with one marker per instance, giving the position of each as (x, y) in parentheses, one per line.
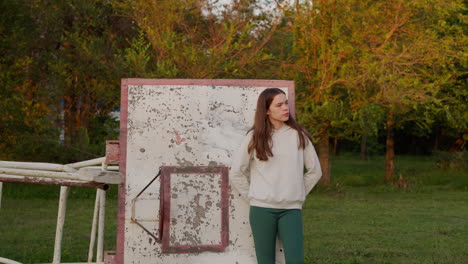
(185, 131)
(80, 174)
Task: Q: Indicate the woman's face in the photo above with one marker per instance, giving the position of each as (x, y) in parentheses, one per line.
(279, 110)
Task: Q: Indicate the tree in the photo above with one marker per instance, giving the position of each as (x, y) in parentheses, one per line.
(186, 34)
(58, 73)
(407, 61)
(80, 40)
(452, 119)
(323, 65)
(24, 105)
(352, 57)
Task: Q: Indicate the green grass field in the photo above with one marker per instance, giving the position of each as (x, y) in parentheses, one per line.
(367, 226)
(359, 219)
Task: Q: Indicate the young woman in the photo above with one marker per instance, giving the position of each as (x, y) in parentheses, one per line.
(268, 170)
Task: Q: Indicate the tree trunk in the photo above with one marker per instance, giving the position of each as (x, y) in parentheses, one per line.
(77, 110)
(390, 156)
(70, 102)
(335, 146)
(413, 146)
(436, 138)
(363, 155)
(324, 158)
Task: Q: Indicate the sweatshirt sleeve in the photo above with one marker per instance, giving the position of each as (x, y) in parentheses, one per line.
(240, 164)
(312, 164)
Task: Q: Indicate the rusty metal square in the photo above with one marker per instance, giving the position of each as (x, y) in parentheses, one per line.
(171, 179)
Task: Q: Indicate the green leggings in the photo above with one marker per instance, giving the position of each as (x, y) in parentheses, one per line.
(266, 223)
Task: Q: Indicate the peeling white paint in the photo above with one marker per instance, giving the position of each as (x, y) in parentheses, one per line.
(186, 125)
(195, 218)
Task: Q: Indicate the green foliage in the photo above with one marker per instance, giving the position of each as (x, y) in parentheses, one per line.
(58, 73)
(370, 117)
(104, 128)
(398, 63)
(453, 112)
(352, 62)
(137, 57)
(331, 116)
(23, 104)
(184, 35)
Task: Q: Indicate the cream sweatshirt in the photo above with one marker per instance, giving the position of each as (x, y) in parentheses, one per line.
(280, 181)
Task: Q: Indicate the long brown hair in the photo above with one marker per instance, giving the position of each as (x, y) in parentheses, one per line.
(262, 127)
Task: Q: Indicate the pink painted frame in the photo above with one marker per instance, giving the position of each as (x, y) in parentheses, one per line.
(124, 123)
(123, 169)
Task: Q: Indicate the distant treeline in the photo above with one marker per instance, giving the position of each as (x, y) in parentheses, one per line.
(372, 76)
